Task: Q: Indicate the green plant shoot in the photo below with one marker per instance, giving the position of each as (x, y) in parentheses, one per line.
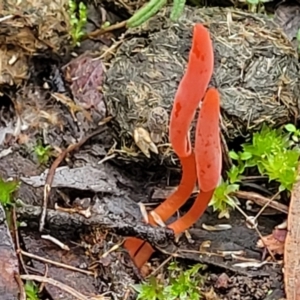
(145, 13)
(152, 8)
(222, 200)
(31, 291)
(151, 290)
(177, 9)
(272, 152)
(295, 133)
(178, 284)
(43, 153)
(7, 188)
(77, 23)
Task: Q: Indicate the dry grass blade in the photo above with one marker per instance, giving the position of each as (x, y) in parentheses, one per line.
(63, 287)
(51, 173)
(261, 200)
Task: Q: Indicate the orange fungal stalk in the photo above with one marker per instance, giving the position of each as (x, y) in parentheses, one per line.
(191, 90)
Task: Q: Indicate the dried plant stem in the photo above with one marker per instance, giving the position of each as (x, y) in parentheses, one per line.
(51, 173)
(62, 286)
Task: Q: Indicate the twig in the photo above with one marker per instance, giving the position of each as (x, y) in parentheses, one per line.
(110, 50)
(6, 18)
(106, 158)
(252, 221)
(255, 187)
(261, 200)
(21, 286)
(51, 173)
(62, 286)
(56, 242)
(17, 241)
(154, 272)
(52, 262)
(104, 30)
(226, 158)
(262, 239)
(42, 286)
(266, 204)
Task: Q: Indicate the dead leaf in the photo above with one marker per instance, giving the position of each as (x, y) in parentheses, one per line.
(86, 74)
(143, 140)
(274, 242)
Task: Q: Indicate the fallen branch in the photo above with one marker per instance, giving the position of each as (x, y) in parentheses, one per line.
(102, 216)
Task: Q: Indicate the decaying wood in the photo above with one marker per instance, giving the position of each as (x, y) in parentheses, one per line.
(292, 247)
(103, 214)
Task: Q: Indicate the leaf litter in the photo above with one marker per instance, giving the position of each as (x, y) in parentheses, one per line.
(51, 97)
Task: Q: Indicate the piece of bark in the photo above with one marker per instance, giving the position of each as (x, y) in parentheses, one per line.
(292, 247)
(109, 212)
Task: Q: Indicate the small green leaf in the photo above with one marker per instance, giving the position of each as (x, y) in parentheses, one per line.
(221, 200)
(7, 188)
(253, 2)
(245, 155)
(105, 25)
(176, 284)
(31, 291)
(232, 188)
(233, 155)
(290, 127)
(234, 174)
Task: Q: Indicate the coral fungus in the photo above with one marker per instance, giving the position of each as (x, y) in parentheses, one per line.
(203, 163)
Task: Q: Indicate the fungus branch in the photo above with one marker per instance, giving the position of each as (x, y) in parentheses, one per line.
(191, 90)
(208, 158)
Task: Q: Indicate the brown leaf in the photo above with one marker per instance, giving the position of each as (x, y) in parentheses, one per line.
(86, 74)
(272, 243)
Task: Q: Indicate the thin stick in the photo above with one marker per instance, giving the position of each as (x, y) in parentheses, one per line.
(17, 241)
(21, 286)
(62, 286)
(104, 30)
(52, 262)
(261, 200)
(42, 286)
(266, 204)
(51, 173)
(160, 266)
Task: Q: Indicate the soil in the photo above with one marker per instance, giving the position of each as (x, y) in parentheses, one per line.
(89, 199)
